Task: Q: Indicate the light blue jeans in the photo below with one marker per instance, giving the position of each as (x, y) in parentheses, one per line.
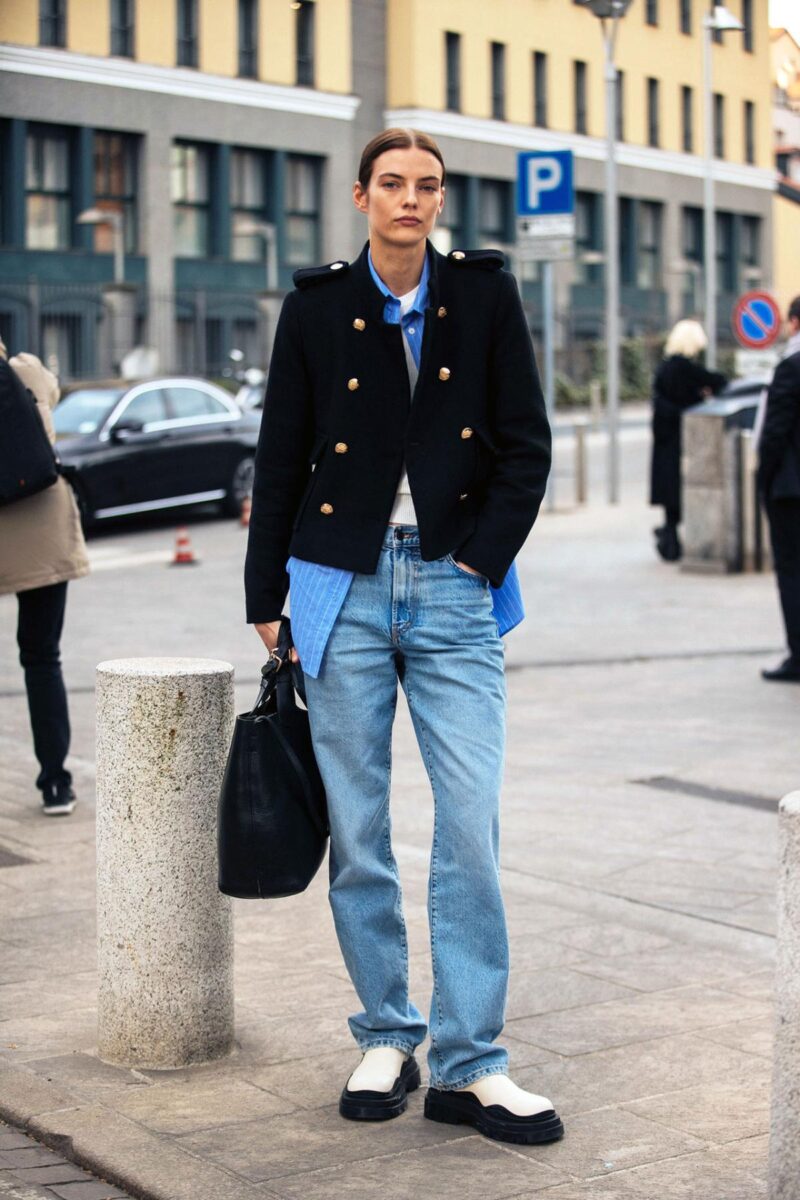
(430, 624)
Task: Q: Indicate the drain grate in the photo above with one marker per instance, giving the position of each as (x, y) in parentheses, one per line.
(9, 859)
(685, 787)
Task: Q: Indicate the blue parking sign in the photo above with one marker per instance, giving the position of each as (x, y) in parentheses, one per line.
(544, 183)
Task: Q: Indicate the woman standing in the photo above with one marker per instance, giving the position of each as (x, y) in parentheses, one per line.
(403, 456)
(41, 549)
(680, 383)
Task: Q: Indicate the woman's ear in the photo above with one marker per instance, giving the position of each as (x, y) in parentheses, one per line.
(359, 197)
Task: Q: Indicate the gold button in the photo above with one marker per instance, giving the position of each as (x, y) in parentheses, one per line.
(326, 508)
(458, 254)
(466, 432)
(341, 447)
(352, 384)
(359, 324)
(442, 312)
(337, 266)
(463, 496)
(444, 372)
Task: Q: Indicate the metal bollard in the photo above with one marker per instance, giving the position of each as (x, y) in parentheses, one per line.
(165, 932)
(784, 1143)
(596, 402)
(580, 461)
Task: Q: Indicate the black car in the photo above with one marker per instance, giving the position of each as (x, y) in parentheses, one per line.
(160, 443)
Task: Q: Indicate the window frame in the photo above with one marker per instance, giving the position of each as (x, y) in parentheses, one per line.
(497, 53)
(247, 19)
(687, 118)
(259, 212)
(651, 12)
(40, 132)
(749, 131)
(316, 164)
(718, 114)
(122, 28)
(452, 71)
(305, 43)
(580, 89)
(126, 199)
(540, 89)
(653, 106)
(187, 33)
(204, 206)
(53, 23)
(685, 17)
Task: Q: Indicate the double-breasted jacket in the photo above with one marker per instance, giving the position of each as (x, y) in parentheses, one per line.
(339, 422)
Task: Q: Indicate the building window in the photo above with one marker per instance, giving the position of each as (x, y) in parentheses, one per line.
(190, 199)
(187, 33)
(687, 119)
(449, 232)
(304, 41)
(749, 131)
(452, 62)
(115, 188)
(248, 202)
(719, 125)
(620, 105)
(653, 131)
(692, 246)
(686, 16)
(493, 211)
(747, 21)
(648, 255)
(588, 237)
(651, 12)
(726, 263)
(540, 89)
(301, 205)
(750, 250)
(47, 201)
(53, 23)
(248, 39)
(579, 92)
(498, 81)
(122, 18)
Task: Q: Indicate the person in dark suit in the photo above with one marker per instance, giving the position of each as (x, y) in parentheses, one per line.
(402, 460)
(779, 484)
(680, 382)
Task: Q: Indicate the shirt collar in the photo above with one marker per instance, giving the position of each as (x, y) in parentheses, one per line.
(421, 300)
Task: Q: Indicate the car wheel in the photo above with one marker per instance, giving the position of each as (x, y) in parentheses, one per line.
(240, 486)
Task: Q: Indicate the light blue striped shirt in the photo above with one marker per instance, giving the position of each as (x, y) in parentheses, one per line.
(317, 592)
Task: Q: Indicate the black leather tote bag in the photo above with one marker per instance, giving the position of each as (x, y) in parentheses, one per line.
(28, 463)
(272, 827)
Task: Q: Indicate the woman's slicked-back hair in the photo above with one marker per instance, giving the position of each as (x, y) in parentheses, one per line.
(395, 139)
(687, 338)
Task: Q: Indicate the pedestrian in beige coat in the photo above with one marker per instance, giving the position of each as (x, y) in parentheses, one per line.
(41, 549)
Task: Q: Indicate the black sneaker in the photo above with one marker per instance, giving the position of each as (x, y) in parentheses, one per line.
(787, 672)
(58, 800)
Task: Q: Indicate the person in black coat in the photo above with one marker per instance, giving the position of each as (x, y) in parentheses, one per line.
(680, 382)
(779, 484)
(402, 460)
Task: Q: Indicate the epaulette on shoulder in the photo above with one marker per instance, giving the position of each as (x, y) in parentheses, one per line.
(484, 260)
(306, 277)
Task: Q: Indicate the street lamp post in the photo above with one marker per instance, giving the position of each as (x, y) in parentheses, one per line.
(610, 13)
(718, 20)
(99, 216)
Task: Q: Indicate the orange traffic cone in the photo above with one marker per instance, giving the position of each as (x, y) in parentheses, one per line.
(244, 515)
(184, 555)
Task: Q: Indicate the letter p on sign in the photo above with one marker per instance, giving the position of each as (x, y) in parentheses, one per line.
(544, 175)
(544, 183)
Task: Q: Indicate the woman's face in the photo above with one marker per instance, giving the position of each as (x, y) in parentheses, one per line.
(404, 197)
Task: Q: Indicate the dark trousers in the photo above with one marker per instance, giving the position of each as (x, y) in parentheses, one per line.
(784, 528)
(41, 619)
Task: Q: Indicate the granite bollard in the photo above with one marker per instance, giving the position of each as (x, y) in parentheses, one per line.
(165, 932)
(784, 1142)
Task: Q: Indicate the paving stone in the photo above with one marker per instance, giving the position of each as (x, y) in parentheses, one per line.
(10, 1139)
(65, 1172)
(534, 992)
(712, 1111)
(754, 1037)
(607, 940)
(15, 1189)
(659, 970)
(26, 1156)
(91, 1190)
(647, 1015)
(618, 1075)
(472, 1168)
(198, 1104)
(690, 1177)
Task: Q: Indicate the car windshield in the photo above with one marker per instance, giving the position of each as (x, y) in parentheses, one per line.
(83, 410)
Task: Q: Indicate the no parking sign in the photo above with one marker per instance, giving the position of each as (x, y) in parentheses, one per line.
(756, 320)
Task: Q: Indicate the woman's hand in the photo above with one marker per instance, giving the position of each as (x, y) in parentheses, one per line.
(464, 567)
(268, 632)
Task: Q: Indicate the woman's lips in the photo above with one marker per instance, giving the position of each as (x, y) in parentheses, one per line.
(408, 221)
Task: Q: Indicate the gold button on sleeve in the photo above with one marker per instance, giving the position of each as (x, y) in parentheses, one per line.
(444, 373)
(459, 254)
(326, 508)
(359, 324)
(352, 384)
(442, 312)
(341, 447)
(466, 432)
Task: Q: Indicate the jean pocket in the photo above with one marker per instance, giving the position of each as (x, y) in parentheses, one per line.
(475, 576)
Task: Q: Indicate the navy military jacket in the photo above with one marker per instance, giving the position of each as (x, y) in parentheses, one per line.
(339, 421)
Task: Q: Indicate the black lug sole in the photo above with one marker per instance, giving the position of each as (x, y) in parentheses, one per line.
(492, 1120)
(381, 1106)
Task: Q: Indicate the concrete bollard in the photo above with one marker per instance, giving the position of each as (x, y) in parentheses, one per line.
(784, 1143)
(165, 932)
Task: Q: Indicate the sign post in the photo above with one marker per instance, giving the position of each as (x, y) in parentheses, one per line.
(546, 234)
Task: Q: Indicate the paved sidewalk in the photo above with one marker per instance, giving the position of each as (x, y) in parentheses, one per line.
(645, 762)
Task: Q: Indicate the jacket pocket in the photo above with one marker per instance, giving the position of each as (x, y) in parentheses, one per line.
(314, 456)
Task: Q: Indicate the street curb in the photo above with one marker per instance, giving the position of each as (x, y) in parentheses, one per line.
(144, 1164)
